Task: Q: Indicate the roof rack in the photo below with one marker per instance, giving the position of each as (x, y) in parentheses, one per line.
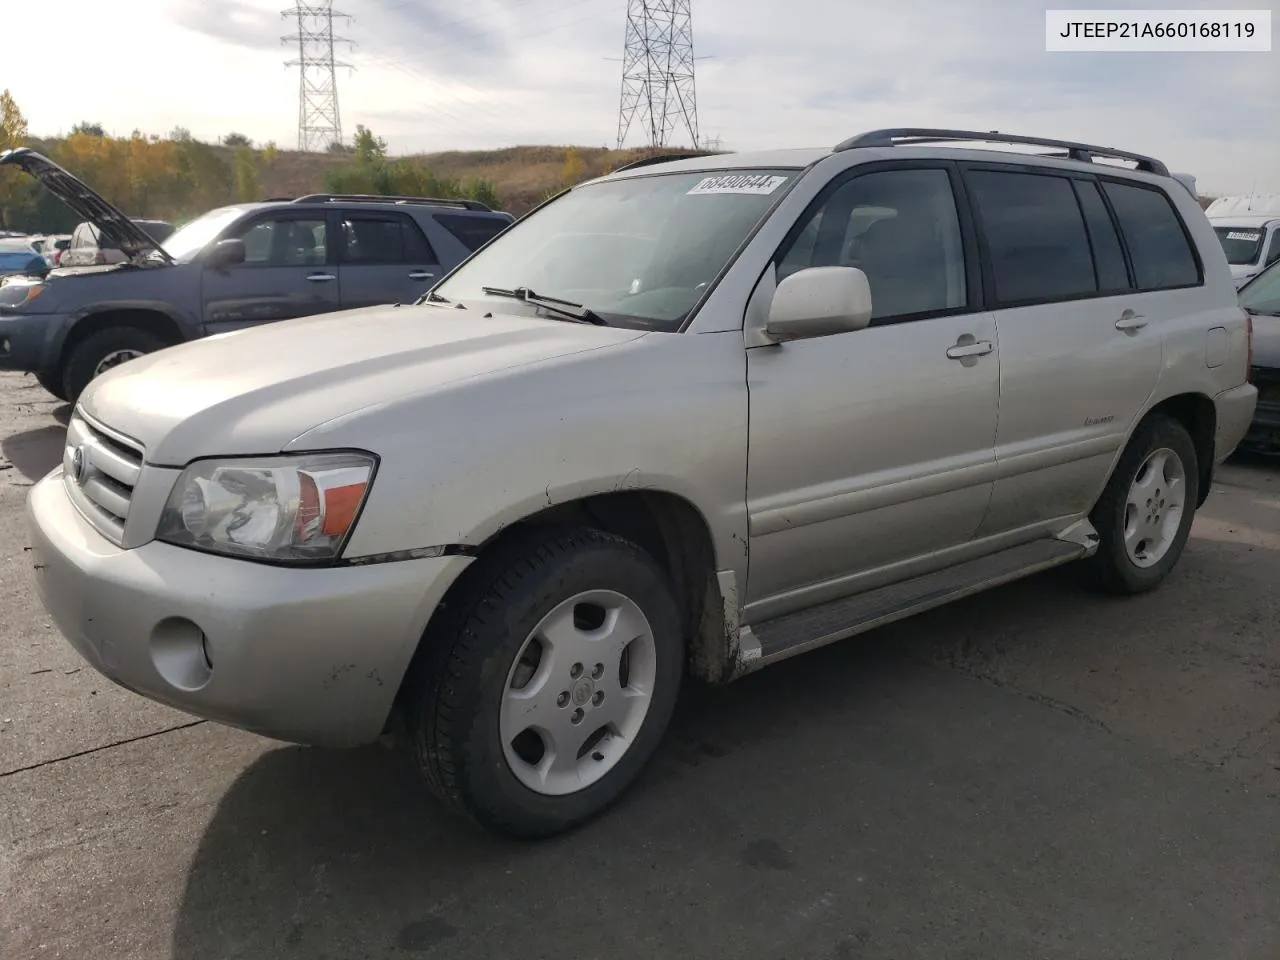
(1085, 152)
(661, 158)
(378, 198)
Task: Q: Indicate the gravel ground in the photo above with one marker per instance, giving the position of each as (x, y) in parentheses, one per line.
(1036, 772)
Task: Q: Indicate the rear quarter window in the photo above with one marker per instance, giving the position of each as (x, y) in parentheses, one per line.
(472, 232)
(1159, 247)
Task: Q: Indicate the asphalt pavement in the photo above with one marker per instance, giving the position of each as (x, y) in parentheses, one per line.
(1038, 772)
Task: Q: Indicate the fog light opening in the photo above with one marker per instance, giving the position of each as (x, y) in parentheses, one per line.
(180, 652)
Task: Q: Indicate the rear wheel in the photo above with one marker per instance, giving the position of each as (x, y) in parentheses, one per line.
(1144, 516)
(101, 351)
(549, 685)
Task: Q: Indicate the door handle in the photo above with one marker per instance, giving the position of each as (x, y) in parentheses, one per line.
(321, 277)
(977, 349)
(421, 275)
(1131, 321)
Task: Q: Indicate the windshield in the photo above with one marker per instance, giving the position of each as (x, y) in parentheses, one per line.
(1262, 294)
(196, 235)
(638, 252)
(1240, 244)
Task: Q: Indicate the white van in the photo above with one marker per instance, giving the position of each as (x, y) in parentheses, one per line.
(1249, 229)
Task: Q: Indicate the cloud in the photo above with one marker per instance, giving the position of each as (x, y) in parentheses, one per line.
(432, 75)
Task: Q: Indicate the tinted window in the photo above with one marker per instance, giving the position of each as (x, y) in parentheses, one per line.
(285, 243)
(901, 229)
(1108, 257)
(370, 239)
(1035, 236)
(472, 232)
(1161, 255)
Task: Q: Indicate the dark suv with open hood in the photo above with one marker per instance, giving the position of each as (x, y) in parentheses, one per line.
(233, 267)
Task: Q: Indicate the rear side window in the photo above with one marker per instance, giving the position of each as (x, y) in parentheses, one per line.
(1108, 256)
(1158, 245)
(372, 240)
(472, 232)
(1035, 236)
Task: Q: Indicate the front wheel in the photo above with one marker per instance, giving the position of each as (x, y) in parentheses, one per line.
(102, 350)
(549, 684)
(1144, 516)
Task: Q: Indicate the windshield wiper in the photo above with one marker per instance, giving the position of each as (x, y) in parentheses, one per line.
(566, 308)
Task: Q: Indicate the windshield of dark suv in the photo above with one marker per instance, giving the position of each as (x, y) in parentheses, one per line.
(1240, 244)
(185, 243)
(635, 252)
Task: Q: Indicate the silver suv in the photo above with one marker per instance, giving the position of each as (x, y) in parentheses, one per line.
(688, 419)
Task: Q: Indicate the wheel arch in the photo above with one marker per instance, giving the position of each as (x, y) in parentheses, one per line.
(1199, 417)
(670, 529)
(152, 318)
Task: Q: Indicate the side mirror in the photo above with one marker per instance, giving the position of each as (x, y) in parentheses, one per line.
(227, 253)
(818, 302)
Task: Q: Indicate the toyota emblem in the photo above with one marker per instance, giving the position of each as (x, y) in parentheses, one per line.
(78, 464)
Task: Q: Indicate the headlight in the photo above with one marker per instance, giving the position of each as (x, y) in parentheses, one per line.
(297, 509)
(15, 292)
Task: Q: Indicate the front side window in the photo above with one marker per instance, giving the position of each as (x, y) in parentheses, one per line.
(638, 251)
(901, 229)
(1035, 234)
(285, 243)
(1158, 246)
(1240, 244)
(1273, 251)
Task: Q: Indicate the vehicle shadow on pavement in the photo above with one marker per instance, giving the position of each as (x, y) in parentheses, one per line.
(33, 453)
(855, 802)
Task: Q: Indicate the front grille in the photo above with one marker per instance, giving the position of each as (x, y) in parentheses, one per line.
(100, 469)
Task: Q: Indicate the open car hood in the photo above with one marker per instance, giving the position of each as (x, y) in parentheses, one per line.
(115, 228)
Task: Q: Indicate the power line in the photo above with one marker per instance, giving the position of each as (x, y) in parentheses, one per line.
(319, 120)
(657, 71)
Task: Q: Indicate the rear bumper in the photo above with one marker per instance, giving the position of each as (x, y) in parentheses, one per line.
(1235, 412)
(28, 342)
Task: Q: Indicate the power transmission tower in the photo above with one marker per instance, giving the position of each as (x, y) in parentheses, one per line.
(319, 120)
(657, 71)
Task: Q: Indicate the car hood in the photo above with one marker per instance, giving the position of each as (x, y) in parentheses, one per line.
(116, 229)
(253, 391)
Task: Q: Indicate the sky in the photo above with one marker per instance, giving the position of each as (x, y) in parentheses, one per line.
(432, 75)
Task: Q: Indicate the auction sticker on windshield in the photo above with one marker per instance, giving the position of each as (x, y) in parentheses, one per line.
(759, 184)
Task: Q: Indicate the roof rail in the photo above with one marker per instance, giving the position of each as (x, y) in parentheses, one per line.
(1085, 152)
(379, 198)
(660, 158)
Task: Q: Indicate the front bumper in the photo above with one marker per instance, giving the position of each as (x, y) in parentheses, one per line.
(311, 656)
(29, 342)
(1264, 431)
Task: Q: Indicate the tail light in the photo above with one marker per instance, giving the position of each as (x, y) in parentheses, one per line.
(99, 258)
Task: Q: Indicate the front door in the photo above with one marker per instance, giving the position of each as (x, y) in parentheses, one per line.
(873, 448)
(385, 258)
(289, 271)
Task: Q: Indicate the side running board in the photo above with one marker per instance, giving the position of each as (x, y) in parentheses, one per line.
(786, 636)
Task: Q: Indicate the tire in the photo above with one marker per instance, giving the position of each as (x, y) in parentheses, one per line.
(454, 712)
(1117, 568)
(86, 356)
(51, 385)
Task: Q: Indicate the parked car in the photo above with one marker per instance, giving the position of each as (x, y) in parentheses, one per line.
(1249, 230)
(88, 248)
(53, 247)
(233, 267)
(18, 259)
(676, 421)
(1260, 297)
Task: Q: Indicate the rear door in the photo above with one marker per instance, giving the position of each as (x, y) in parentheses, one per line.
(1080, 316)
(290, 270)
(384, 258)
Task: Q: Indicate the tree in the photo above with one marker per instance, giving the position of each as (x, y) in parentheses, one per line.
(236, 140)
(180, 134)
(88, 130)
(270, 154)
(575, 168)
(370, 150)
(246, 175)
(17, 190)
